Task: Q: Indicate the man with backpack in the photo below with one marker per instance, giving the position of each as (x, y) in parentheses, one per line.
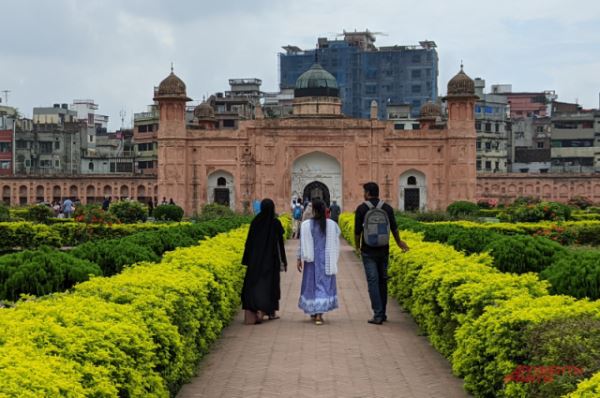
(374, 221)
(297, 212)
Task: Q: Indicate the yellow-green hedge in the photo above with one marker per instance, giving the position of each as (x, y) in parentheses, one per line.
(588, 388)
(139, 333)
(472, 313)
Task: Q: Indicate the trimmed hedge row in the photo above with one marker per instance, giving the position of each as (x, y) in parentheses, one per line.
(139, 333)
(28, 235)
(483, 319)
(48, 270)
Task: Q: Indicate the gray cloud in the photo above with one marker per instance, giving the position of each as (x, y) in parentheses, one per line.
(115, 51)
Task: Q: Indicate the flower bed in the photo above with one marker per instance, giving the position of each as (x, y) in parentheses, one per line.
(485, 321)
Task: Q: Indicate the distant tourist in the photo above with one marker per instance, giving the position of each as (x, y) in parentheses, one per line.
(106, 203)
(68, 207)
(297, 211)
(264, 258)
(374, 220)
(319, 250)
(164, 201)
(171, 202)
(150, 207)
(335, 211)
(56, 208)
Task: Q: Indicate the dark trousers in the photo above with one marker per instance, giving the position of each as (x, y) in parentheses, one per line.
(376, 266)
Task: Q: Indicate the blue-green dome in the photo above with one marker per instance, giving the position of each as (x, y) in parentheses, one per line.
(316, 82)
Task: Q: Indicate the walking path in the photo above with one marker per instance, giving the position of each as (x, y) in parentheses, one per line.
(346, 357)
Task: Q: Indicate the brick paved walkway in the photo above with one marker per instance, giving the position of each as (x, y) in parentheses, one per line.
(346, 357)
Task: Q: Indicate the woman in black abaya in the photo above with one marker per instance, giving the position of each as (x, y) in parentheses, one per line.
(264, 257)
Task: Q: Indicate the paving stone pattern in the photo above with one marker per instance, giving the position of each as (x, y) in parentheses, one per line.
(346, 357)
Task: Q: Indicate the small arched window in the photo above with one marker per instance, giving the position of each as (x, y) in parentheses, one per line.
(412, 180)
(221, 182)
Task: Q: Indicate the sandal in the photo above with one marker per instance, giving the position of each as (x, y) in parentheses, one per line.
(318, 320)
(273, 317)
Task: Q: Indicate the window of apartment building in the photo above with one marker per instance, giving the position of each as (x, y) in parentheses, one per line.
(488, 164)
(91, 139)
(524, 170)
(478, 164)
(497, 127)
(4, 164)
(146, 164)
(415, 74)
(5, 147)
(27, 162)
(544, 171)
(46, 147)
(56, 145)
(229, 123)
(142, 128)
(488, 146)
(91, 166)
(45, 163)
(478, 126)
(587, 125)
(416, 126)
(371, 89)
(399, 126)
(145, 146)
(540, 145)
(415, 89)
(488, 127)
(416, 58)
(497, 166)
(539, 129)
(21, 144)
(478, 144)
(565, 125)
(56, 163)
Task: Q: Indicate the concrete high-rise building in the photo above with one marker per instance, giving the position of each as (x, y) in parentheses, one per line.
(492, 123)
(365, 73)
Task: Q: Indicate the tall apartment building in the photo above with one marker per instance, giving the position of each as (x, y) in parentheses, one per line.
(145, 128)
(392, 74)
(493, 125)
(8, 115)
(576, 142)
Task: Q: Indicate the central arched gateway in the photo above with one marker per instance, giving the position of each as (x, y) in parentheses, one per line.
(315, 174)
(317, 190)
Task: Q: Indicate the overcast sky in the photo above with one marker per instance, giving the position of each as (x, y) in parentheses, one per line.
(115, 51)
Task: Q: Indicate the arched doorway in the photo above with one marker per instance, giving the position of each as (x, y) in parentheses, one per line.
(6, 194)
(413, 191)
(221, 189)
(315, 174)
(317, 190)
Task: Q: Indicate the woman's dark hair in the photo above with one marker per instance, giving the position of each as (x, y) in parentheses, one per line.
(372, 189)
(318, 207)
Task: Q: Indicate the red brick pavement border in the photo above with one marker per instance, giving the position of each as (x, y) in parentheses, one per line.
(346, 357)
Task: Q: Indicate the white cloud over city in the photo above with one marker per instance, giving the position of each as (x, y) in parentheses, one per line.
(115, 51)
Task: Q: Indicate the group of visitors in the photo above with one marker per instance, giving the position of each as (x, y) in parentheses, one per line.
(302, 211)
(316, 226)
(64, 208)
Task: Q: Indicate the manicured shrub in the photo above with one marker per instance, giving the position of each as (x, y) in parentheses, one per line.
(581, 202)
(168, 213)
(587, 388)
(462, 208)
(4, 213)
(213, 211)
(39, 213)
(129, 211)
(526, 200)
(552, 211)
(113, 254)
(522, 253)
(471, 241)
(41, 272)
(586, 233)
(27, 235)
(576, 274)
(431, 216)
(571, 344)
(493, 345)
(93, 214)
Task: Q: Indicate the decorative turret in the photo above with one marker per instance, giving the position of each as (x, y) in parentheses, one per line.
(461, 103)
(171, 97)
(429, 114)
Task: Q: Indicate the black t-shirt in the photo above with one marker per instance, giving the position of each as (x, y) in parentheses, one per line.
(359, 219)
